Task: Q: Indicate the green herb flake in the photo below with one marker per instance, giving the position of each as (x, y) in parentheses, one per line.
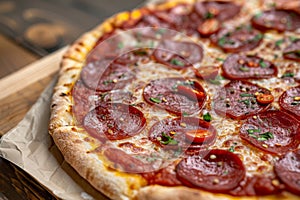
(293, 38)
(244, 69)
(155, 100)
(207, 117)
(288, 74)
(262, 64)
(231, 149)
(265, 136)
(176, 62)
(246, 95)
(166, 139)
(258, 37)
(106, 82)
(258, 15)
(220, 59)
(209, 15)
(279, 42)
(120, 45)
(251, 131)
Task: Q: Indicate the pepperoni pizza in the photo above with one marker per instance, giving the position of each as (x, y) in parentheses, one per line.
(185, 99)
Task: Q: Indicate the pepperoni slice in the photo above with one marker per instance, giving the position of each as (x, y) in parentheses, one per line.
(238, 100)
(178, 55)
(272, 131)
(127, 162)
(114, 121)
(238, 67)
(280, 20)
(217, 9)
(242, 38)
(164, 94)
(288, 170)
(207, 72)
(104, 76)
(292, 52)
(214, 170)
(182, 132)
(290, 101)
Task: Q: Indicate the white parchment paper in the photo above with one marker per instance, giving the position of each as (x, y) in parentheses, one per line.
(30, 147)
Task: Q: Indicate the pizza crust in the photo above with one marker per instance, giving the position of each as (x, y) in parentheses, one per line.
(78, 148)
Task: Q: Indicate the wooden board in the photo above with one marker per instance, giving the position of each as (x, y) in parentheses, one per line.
(20, 90)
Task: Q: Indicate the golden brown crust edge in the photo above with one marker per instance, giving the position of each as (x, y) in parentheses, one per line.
(67, 137)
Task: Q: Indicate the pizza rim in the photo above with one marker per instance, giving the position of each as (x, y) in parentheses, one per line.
(64, 131)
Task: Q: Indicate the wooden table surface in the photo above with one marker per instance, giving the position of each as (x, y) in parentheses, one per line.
(21, 83)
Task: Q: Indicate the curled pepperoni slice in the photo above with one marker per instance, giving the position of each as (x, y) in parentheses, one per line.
(217, 9)
(127, 162)
(292, 52)
(164, 94)
(187, 132)
(290, 101)
(288, 170)
(272, 131)
(104, 76)
(239, 100)
(280, 20)
(178, 55)
(214, 170)
(242, 38)
(244, 67)
(114, 121)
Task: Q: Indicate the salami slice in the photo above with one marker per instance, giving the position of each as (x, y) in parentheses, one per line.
(239, 39)
(217, 9)
(292, 52)
(214, 170)
(104, 76)
(114, 121)
(178, 55)
(288, 170)
(187, 132)
(290, 101)
(164, 94)
(239, 99)
(238, 67)
(280, 20)
(272, 131)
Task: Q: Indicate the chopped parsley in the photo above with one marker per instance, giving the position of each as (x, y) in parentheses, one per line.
(220, 59)
(265, 136)
(155, 100)
(288, 74)
(293, 38)
(207, 117)
(258, 15)
(176, 62)
(246, 95)
(231, 149)
(279, 42)
(209, 15)
(262, 64)
(120, 45)
(260, 137)
(166, 139)
(106, 82)
(251, 131)
(244, 69)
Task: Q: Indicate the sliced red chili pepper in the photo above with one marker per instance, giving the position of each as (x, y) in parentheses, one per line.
(207, 72)
(265, 98)
(190, 93)
(199, 136)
